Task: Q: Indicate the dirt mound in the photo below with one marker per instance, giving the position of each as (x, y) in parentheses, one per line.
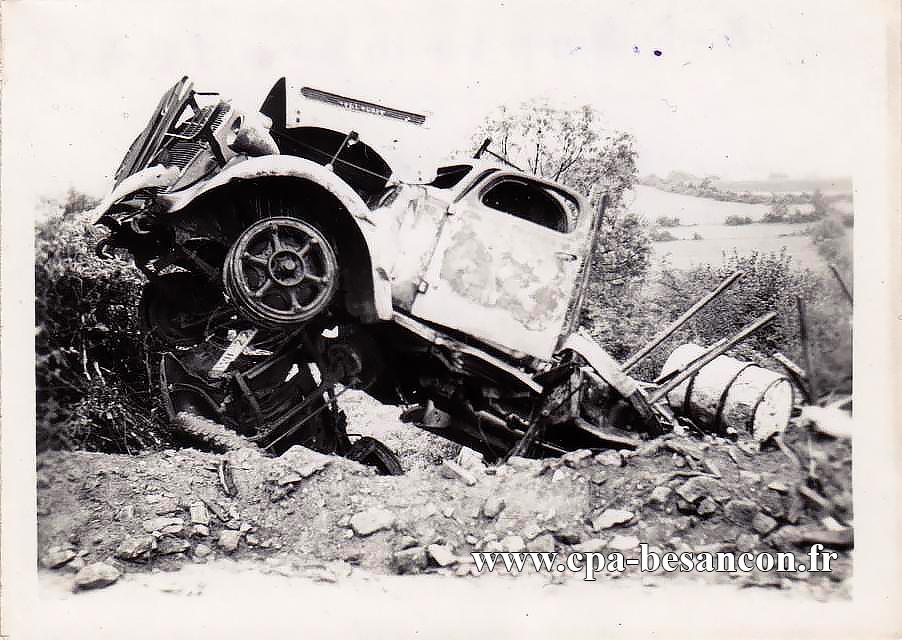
(677, 493)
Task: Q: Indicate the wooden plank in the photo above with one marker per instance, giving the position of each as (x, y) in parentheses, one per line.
(687, 315)
(607, 435)
(710, 354)
(806, 350)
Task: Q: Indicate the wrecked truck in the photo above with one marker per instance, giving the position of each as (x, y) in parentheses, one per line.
(289, 260)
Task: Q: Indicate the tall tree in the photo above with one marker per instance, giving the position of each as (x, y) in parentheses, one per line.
(571, 147)
(567, 146)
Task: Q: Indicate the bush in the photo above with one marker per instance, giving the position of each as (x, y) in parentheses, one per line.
(735, 221)
(90, 373)
(834, 244)
(662, 235)
(665, 221)
(777, 213)
(697, 236)
(623, 254)
(771, 283)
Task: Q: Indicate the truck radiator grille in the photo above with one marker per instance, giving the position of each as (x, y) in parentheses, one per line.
(180, 153)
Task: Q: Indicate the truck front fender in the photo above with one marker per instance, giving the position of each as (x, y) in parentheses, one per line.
(358, 224)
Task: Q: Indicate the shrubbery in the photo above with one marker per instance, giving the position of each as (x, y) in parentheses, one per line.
(665, 221)
(735, 221)
(771, 283)
(90, 373)
(662, 235)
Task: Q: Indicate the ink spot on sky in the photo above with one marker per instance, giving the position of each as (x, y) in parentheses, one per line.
(658, 53)
(636, 49)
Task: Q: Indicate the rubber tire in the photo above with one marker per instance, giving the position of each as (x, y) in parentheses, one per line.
(369, 451)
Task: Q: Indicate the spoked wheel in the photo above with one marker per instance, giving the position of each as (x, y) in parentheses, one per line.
(281, 271)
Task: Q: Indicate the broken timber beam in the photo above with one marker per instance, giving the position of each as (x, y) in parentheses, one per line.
(813, 391)
(668, 331)
(842, 283)
(693, 367)
(606, 435)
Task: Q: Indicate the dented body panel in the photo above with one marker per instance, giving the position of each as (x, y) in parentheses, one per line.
(501, 278)
(454, 293)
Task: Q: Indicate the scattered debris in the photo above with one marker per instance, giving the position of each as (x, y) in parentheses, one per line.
(226, 479)
(199, 514)
(452, 470)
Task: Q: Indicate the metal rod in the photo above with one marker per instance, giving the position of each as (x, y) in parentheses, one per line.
(710, 354)
(813, 391)
(668, 331)
(842, 283)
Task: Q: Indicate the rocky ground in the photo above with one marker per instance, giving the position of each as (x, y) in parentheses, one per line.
(324, 518)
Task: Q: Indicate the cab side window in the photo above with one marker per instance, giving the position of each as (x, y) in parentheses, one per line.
(529, 201)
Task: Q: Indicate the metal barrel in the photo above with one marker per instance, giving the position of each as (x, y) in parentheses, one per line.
(730, 393)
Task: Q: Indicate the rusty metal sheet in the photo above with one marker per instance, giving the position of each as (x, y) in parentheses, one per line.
(502, 279)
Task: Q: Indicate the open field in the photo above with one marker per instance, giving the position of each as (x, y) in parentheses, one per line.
(706, 218)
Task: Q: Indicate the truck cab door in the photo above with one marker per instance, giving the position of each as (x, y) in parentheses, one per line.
(506, 265)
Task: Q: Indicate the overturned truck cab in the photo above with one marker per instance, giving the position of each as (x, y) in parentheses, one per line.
(289, 258)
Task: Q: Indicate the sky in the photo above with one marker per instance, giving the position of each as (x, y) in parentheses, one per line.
(739, 90)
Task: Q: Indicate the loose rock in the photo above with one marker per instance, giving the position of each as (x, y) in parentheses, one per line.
(441, 554)
(169, 546)
(228, 540)
(199, 514)
(531, 531)
(493, 506)
(694, 489)
(125, 513)
(610, 518)
(741, 511)
(454, 471)
(594, 545)
(135, 547)
(763, 524)
(539, 544)
(747, 542)
(164, 525)
(96, 576)
(523, 464)
(659, 495)
(372, 520)
(513, 544)
(609, 458)
(56, 557)
(623, 543)
(202, 551)
(576, 459)
(166, 505)
(706, 507)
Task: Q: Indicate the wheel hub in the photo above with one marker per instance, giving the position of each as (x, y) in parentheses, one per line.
(281, 271)
(286, 268)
